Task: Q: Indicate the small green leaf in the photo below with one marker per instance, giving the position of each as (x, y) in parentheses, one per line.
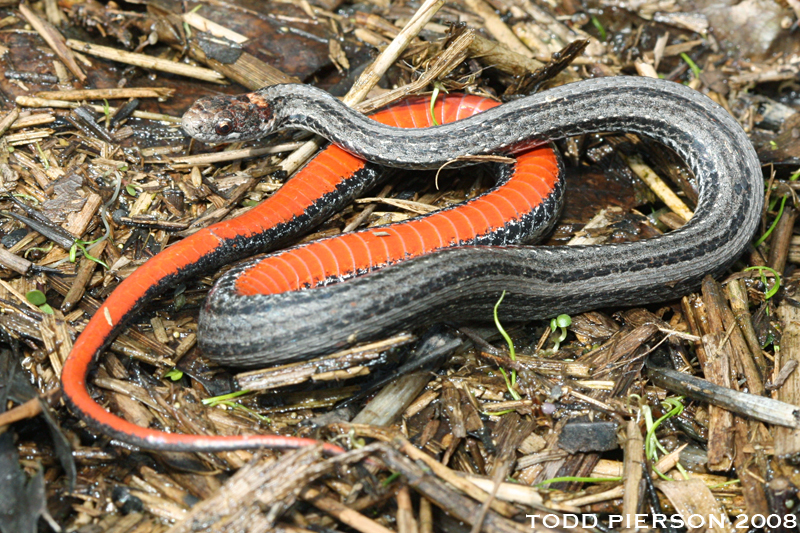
(131, 190)
(597, 24)
(46, 309)
(563, 321)
(692, 65)
(174, 374)
(36, 297)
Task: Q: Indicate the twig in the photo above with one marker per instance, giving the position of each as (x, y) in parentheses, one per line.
(145, 61)
(54, 39)
(109, 94)
(29, 101)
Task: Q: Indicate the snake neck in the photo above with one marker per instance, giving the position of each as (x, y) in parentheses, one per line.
(308, 108)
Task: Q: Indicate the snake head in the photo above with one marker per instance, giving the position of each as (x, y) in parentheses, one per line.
(222, 119)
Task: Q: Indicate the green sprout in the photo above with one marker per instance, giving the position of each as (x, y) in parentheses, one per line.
(560, 322)
(575, 479)
(81, 245)
(42, 156)
(32, 249)
(692, 65)
(775, 288)
(511, 352)
(214, 400)
(772, 203)
(174, 374)
(186, 27)
(225, 400)
(599, 26)
(388, 481)
(766, 235)
(28, 197)
(724, 484)
(437, 87)
(38, 298)
(651, 444)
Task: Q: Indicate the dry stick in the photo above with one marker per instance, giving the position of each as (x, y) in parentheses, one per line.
(29, 101)
(495, 26)
(8, 120)
(405, 512)
(503, 58)
(54, 39)
(364, 215)
(19, 295)
(748, 405)
(749, 469)
(145, 61)
(38, 119)
(787, 441)
(370, 77)
(634, 457)
(665, 464)
(109, 94)
(28, 136)
(447, 61)
(451, 502)
(207, 159)
(342, 513)
(721, 318)
(720, 421)
(78, 287)
(201, 23)
(658, 186)
(425, 515)
(29, 409)
(451, 477)
(737, 295)
(692, 498)
(694, 312)
(247, 70)
(781, 239)
(14, 262)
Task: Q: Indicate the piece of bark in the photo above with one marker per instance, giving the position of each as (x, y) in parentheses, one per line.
(720, 424)
(693, 500)
(787, 441)
(721, 319)
(737, 295)
(747, 460)
(781, 239)
(632, 477)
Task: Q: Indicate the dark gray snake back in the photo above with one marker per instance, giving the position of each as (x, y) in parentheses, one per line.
(464, 283)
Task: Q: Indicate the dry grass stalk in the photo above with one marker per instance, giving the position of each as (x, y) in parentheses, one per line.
(497, 28)
(30, 101)
(146, 61)
(109, 94)
(632, 478)
(54, 39)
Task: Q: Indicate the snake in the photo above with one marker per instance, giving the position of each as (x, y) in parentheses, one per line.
(451, 265)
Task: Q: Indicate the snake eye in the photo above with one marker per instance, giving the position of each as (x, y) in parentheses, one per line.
(224, 127)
